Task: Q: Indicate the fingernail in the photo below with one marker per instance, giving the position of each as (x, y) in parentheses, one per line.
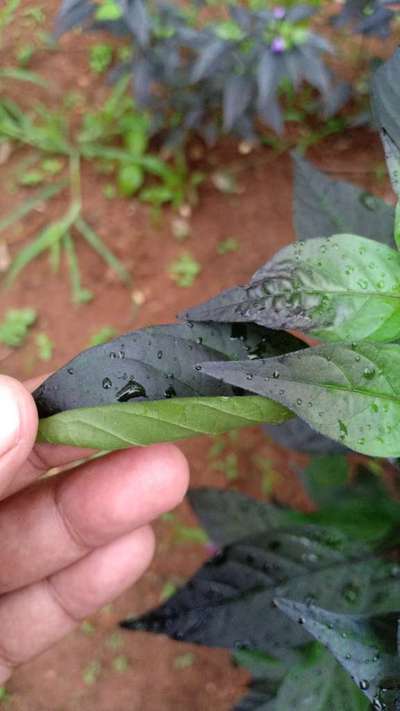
(9, 419)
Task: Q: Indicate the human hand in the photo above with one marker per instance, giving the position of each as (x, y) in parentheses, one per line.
(73, 542)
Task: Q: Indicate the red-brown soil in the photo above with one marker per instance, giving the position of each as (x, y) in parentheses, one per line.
(259, 216)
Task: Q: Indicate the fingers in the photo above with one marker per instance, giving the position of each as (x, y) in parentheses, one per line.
(43, 456)
(18, 428)
(51, 525)
(20, 461)
(35, 617)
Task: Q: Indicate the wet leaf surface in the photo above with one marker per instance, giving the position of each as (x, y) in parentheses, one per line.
(154, 364)
(364, 645)
(350, 393)
(341, 288)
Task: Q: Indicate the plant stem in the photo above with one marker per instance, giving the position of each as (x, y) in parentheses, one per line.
(75, 179)
(41, 196)
(102, 250)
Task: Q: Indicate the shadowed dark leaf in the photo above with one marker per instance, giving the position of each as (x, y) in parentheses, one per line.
(298, 435)
(386, 97)
(323, 207)
(222, 605)
(73, 13)
(237, 97)
(228, 516)
(153, 364)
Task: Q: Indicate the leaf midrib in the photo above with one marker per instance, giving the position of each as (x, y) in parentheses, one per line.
(341, 388)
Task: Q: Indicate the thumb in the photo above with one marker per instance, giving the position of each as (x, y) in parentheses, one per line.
(18, 428)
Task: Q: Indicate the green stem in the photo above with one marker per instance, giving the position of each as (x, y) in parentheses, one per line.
(41, 196)
(102, 250)
(397, 225)
(75, 179)
(79, 295)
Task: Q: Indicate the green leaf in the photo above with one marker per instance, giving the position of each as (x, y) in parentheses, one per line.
(124, 425)
(130, 179)
(28, 205)
(44, 240)
(261, 665)
(364, 645)
(319, 684)
(45, 346)
(341, 288)
(325, 478)
(79, 294)
(102, 336)
(185, 270)
(108, 11)
(363, 509)
(348, 393)
(324, 207)
(24, 75)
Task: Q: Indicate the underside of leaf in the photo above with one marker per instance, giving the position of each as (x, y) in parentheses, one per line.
(118, 426)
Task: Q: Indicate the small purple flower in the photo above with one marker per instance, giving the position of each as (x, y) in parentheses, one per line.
(279, 12)
(278, 45)
(212, 549)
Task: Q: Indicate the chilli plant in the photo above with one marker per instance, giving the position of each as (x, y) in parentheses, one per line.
(369, 17)
(218, 75)
(309, 604)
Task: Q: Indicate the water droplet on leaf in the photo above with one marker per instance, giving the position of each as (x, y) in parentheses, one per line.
(170, 392)
(369, 373)
(130, 391)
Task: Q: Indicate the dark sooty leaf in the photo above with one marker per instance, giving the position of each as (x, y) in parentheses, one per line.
(229, 602)
(229, 516)
(324, 207)
(155, 363)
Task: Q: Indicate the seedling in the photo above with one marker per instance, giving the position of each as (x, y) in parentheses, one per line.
(185, 270)
(92, 672)
(100, 57)
(120, 664)
(228, 245)
(105, 334)
(15, 326)
(45, 346)
(184, 661)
